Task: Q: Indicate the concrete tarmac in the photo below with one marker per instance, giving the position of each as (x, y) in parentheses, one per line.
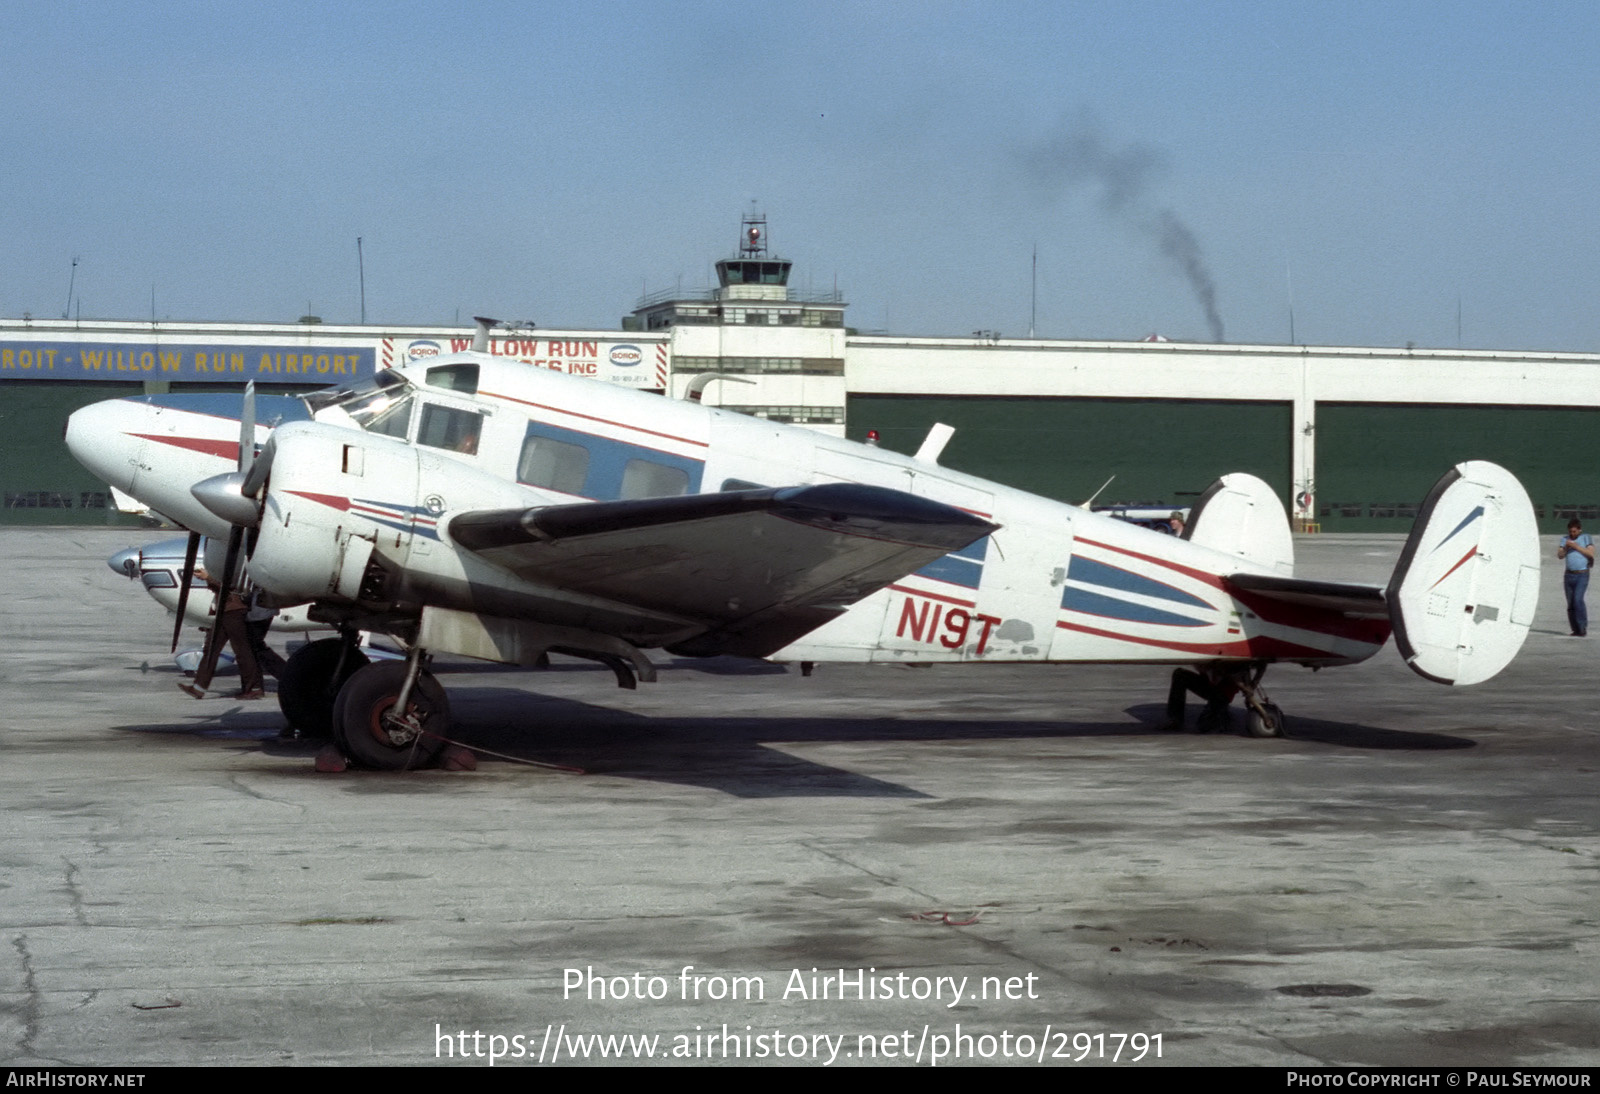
(1411, 878)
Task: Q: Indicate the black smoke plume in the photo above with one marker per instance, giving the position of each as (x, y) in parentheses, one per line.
(1080, 156)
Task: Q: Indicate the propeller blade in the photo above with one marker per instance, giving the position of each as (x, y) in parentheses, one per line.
(247, 428)
(184, 580)
(256, 478)
(215, 640)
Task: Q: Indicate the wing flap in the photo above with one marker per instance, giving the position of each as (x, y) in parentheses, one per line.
(757, 568)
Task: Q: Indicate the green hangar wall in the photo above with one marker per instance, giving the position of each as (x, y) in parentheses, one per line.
(1376, 462)
(1162, 451)
(40, 482)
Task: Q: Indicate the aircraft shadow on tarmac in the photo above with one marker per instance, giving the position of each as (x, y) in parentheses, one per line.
(732, 754)
(1324, 732)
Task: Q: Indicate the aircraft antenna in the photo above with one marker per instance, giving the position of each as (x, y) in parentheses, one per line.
(1097, 493)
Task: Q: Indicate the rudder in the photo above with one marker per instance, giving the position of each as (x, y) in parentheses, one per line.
(1463, 594)
(1239, 515)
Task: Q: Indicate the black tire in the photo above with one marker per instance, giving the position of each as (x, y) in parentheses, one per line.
(309, 685)
(1270, 726)
(361, 732)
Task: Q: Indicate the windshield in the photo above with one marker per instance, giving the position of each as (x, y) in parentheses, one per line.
(386, 412)
(382, 381)
(380, 405)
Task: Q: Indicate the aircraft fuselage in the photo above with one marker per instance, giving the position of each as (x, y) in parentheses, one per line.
(370, 500)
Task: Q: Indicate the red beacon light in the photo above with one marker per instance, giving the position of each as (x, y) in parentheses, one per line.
(872, 437)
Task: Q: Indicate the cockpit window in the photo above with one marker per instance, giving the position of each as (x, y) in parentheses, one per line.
(449, 428)
(379, 405)
(462, 378)
(383, 413)
(382, 380)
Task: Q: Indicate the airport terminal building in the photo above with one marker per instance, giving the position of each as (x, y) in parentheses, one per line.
(1350, 438)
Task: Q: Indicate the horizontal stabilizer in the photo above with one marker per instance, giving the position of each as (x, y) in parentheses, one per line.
(757, 568)
(1463, 594)
(1352, 601)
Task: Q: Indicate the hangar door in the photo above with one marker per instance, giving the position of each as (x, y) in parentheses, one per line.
(40, 482)
(1376, 462)
(1162, 451)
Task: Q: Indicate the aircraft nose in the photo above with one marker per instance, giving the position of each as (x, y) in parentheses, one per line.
(126, 562)
(98, 437)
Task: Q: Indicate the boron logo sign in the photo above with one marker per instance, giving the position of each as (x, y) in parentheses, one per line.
(626, 356)
(418, 350)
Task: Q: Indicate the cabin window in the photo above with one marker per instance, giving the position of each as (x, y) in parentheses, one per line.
(554, 465)
(648, 479)
(462, 378)
(450, 428)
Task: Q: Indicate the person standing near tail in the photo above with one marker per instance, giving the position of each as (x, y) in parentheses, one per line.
(1577, 550)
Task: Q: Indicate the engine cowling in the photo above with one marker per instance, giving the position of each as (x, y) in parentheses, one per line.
(336, 497)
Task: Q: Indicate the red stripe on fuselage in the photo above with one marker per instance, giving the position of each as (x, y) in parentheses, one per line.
(332, 501)
(1281, 612)
(934, 596)
(222, 449)
(593, 418)
(1187, 571)
(1258, 646)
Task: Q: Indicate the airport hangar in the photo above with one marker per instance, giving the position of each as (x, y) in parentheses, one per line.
(1350, 438)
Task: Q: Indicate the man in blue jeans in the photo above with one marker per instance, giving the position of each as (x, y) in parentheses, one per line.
(1578, 552)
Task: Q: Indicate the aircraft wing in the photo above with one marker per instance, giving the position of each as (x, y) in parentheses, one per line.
(758, 568)
(1352, 600)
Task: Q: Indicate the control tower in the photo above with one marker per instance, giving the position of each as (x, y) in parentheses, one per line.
(779, 351)
(752, 289)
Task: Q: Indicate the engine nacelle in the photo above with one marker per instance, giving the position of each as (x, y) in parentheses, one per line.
(335, 496)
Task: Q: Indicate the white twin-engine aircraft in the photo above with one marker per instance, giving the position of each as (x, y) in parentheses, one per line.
(474, 505)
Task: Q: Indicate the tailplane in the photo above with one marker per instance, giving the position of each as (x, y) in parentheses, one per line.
(1464, 591)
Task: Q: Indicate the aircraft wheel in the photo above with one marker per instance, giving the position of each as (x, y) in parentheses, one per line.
(367, 733)
(307, 687)
(1271, 725)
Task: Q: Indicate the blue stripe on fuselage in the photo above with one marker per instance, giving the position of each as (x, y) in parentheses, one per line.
(963, 567)
(608, 460)
(1082, 600)
(1090, 572)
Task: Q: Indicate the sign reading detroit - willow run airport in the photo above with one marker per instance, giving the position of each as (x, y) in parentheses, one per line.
(184, 361)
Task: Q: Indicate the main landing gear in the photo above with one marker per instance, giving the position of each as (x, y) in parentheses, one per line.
(385, 715)
(1217, 685)
(310, 682)
(392, 716)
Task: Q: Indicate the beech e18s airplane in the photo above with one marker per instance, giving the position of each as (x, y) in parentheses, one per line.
(475, 505)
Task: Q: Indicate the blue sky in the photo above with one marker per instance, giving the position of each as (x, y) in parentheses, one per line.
(1388, 166)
